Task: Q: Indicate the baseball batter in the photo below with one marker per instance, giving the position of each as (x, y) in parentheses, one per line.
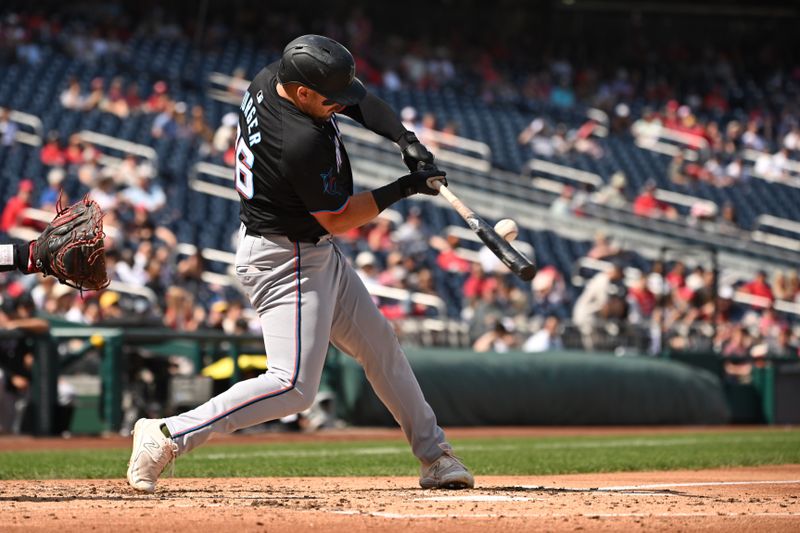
(296, 189)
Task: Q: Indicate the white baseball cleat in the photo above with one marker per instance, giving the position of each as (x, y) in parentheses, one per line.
(446, 472)
(152, 452)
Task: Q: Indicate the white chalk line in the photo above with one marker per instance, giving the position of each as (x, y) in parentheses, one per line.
(478, 498)
(701, 484)
(390, 450)
(428, 516)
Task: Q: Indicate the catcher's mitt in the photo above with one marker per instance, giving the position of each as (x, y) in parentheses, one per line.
(71, 247)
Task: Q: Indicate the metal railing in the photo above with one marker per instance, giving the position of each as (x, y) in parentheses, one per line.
(120, 145)
(31, 121)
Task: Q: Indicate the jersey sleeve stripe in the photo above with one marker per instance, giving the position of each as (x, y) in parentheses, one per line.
(333, 211)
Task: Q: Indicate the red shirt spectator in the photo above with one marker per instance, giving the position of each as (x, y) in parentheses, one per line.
(12, 213)
(450, 261)
(51, 154)
(647, 205)
(759, 287)
(645, 299)
(477, 281)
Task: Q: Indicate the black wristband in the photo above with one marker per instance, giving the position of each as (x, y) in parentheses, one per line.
(21, 252)
(387, 195)
(406, 139)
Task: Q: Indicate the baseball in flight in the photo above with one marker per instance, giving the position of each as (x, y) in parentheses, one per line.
(507, 229)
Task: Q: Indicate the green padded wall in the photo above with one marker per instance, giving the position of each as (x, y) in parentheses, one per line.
(557, 388)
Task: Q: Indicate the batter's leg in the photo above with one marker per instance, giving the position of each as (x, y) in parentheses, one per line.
(292, 287)
(360, 330)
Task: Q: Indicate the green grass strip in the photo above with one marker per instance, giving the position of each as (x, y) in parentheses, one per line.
(485, 456)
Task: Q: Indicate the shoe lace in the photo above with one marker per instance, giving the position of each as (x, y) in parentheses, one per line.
(448, 451)
(173, 450)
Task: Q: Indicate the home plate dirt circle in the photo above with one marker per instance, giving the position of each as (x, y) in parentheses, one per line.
(741, 499)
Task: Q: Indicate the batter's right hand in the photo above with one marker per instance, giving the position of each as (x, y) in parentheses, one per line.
(421, 181)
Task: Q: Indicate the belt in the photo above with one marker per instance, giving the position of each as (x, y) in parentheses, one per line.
(311, 240)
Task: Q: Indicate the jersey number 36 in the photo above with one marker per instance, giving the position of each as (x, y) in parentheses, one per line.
(244, 168)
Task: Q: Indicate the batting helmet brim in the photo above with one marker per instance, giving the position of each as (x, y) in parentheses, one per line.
(350, 95)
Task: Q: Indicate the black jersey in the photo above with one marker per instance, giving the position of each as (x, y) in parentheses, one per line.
(288, 165)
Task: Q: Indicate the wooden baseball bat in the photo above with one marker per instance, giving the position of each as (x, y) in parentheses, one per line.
(515, 261)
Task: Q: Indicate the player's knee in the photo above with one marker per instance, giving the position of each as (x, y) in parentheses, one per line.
(303, 397)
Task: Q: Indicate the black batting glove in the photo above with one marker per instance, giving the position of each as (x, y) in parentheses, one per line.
(415, 155)
(421, 181)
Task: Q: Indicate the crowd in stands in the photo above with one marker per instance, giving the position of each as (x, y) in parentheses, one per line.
(687, 305)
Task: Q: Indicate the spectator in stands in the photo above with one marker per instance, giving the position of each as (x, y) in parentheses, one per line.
(483, 313)
(751, 137)
(16, 366)
(603, 297)
(146, 194)
(737, 346)
(448, 259)
(779, 285)
(473, 285)
(613, 193)
(49, 197)
(216, 315)
(201, 130)
(428, 130)
(499, 339)
(535, 135)
(225, 136)
(395, 274)
(132, 98)
(562, 206)
(582, 141)
(379, 237)
(547, 338)
(647, 205)
(180, 313)
(549, 293)
(71, 97)
(165, 125)
(8, 128)
(183, 127)
(105, 193)
(760, 288)
(408, 115)
(734, 173)
(110, 308)
(51, 154)
(367, 268)
(641, 300)
(114, 101)
(13, 211)
(675, 170)
(792, 286)
(411, 237)
(602, 247)
(96, 95)
(158, 100)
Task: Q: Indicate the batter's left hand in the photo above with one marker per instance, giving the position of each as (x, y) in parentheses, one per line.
(415, 155)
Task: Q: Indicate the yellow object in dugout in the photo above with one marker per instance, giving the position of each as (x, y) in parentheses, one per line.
(97, 340)
(223, 369)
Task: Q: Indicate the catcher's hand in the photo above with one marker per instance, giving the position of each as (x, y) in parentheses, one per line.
(71, 247)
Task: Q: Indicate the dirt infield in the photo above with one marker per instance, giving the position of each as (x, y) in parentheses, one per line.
(732, 500)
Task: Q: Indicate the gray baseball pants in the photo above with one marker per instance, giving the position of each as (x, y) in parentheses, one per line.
(308, 295)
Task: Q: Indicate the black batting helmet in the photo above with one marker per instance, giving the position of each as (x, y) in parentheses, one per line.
(322, 64)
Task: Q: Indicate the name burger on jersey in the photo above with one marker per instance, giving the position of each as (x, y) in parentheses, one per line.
(244, 156)
(251, 117)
